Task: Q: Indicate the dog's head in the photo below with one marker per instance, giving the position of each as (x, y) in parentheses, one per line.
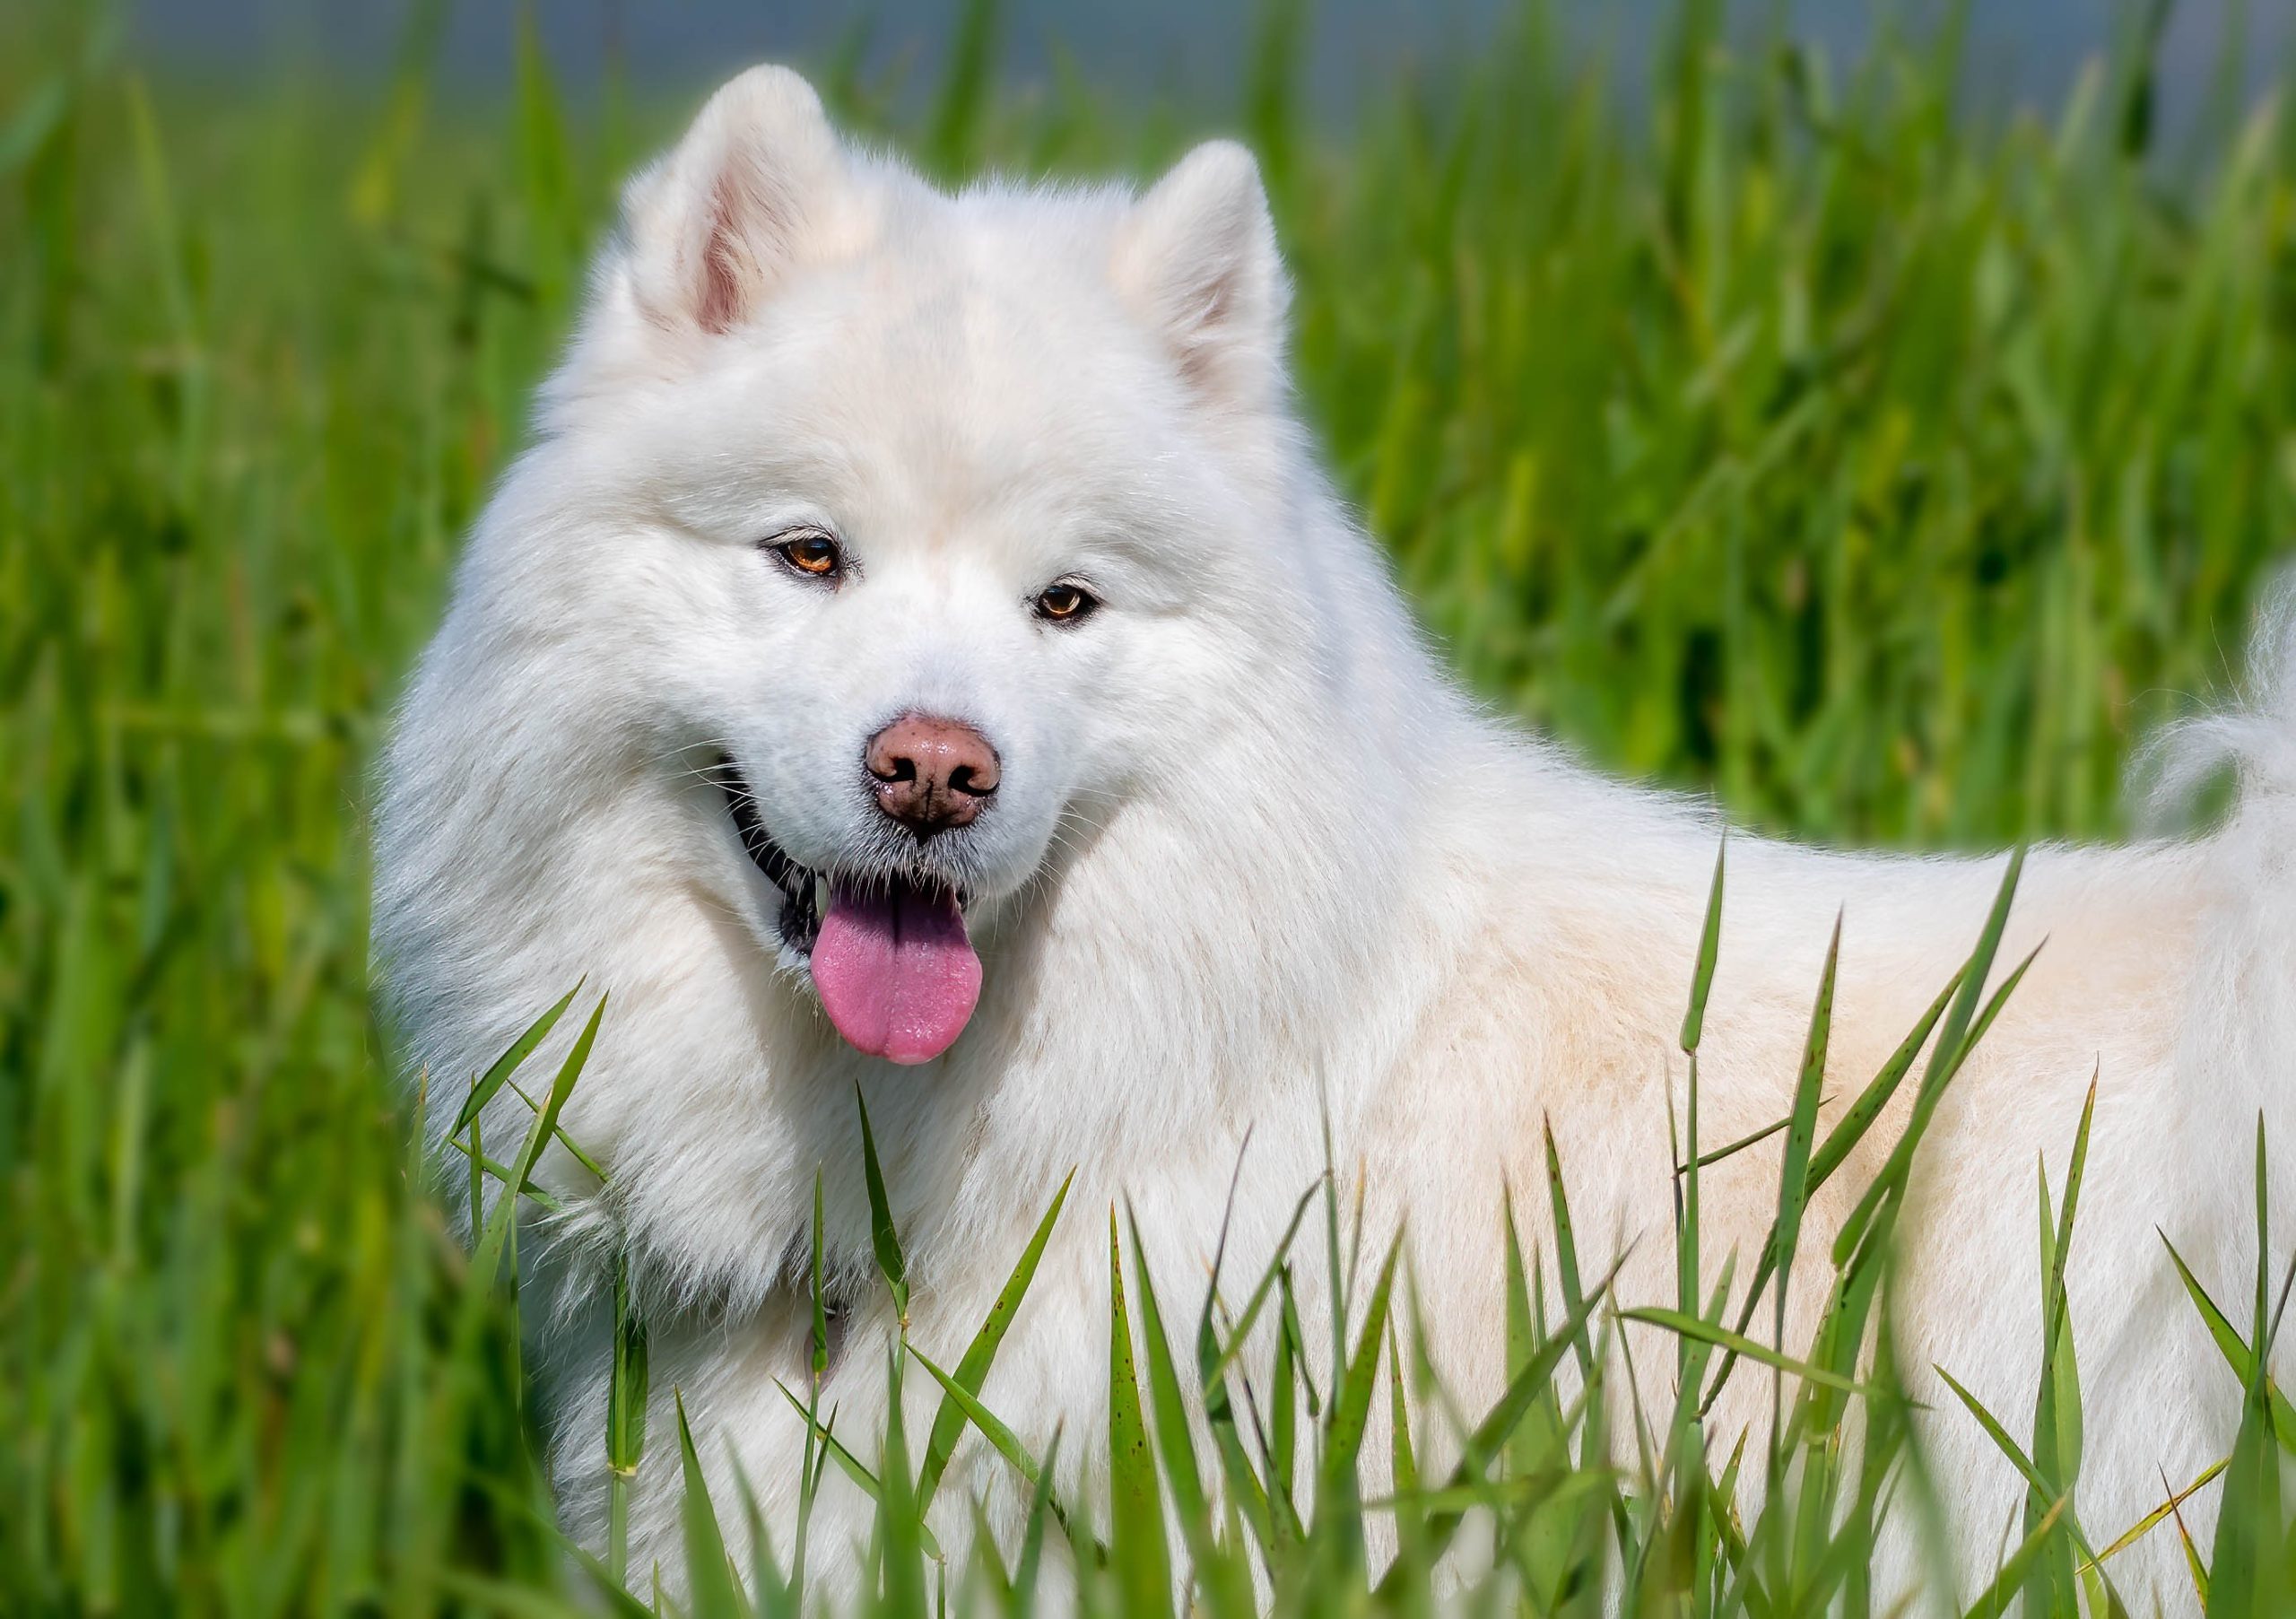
(918, 523)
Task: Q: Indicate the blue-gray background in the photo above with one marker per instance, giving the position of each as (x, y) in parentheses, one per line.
(2019, 52)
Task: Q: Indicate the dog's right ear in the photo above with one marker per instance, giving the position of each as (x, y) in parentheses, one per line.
(715, 226)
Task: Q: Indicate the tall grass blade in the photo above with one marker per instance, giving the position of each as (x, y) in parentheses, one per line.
(2160, 1514)
(882, 1236)
(1694, 1326)
(626, 1397)
(1028, 1567)
(1953, 1042)
(993, 1429)
(1224, 1582)
(980, 1354)
(901, 1527)
(1859, 1115)
(817, 1354)
(1996, 1598)
(712, 1592)
(1793, 1177)
(1709, 950)
(2234, 1348)
(1336, 1526)
(1566, 1253)
(1484, 1442)
(495, 1238)
(1136, 1550)
(2248, 1570)
(498, 1072)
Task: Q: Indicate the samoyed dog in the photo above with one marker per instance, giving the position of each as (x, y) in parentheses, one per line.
(919, 653)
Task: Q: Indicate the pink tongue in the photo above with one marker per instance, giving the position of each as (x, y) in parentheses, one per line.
(896, 972)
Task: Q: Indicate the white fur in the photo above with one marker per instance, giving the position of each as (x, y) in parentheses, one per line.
(1256, 860)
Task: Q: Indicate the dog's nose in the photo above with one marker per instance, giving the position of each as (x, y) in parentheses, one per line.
(931, 774)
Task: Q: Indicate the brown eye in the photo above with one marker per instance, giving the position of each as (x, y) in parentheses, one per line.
(813, 554)
(1065, 602)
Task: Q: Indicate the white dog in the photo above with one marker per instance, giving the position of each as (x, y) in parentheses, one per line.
(921, 652)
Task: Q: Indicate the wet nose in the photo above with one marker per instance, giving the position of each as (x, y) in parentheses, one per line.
(929, 773)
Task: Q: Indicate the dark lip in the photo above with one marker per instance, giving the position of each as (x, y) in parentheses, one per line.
(799, 921)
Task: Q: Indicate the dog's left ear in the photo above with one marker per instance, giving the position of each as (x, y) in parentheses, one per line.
(1195, 258)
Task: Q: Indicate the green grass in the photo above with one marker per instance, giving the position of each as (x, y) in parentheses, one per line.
(1882, 467)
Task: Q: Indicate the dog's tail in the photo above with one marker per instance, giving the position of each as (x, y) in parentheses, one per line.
(2237, 1049)
(2251, 740)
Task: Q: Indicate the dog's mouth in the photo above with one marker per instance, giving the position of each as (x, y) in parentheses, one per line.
(804, 891)
(889, 953)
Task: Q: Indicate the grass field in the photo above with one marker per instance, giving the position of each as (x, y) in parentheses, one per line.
(1886, 469)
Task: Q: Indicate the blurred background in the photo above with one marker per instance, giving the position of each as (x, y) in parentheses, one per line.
(1189, 52)
(1876, 418)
